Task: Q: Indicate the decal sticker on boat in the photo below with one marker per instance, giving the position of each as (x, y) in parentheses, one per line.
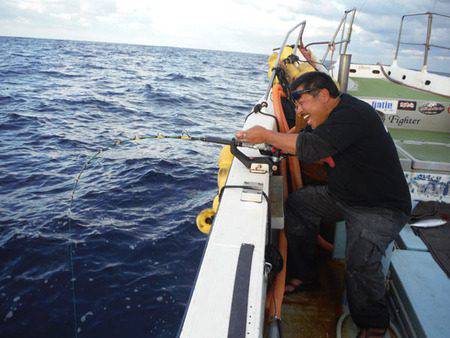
(403, 121)
(428, 186)
(432, 108)
(385, 106)
(407, 105)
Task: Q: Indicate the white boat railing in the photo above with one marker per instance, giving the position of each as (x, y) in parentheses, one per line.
(283, 45)
(341, 28)
(349, 16)
(427, 45)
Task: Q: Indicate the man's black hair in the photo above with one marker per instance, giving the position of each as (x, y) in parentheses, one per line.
(316, 80)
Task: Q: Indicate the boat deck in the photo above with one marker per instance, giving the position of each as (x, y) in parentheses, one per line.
(381, 88)
(315, 313)
(428, 146)
(420, 136)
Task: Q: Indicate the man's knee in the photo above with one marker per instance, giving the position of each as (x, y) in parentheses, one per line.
(363, 273)
(363, 255)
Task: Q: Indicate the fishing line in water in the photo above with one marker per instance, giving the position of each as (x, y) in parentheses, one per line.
(184, 136)
(71, 248)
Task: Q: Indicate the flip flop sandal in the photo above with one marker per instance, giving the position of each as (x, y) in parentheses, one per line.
(309, 286)
(372, 333)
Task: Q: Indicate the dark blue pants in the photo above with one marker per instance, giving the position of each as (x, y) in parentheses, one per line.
(369, 231)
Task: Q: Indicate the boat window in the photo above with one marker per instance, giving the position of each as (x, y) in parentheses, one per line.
(375, 71)
(404, 77)
(427, 82)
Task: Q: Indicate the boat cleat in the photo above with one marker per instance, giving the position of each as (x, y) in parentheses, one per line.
(259, 168)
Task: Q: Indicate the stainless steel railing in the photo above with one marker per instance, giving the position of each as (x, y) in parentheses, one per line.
(341, 28)
(345, 40)
(427, 44)
(283, 45)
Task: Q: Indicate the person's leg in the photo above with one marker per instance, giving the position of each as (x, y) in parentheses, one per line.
(305, 210)
(369, 232)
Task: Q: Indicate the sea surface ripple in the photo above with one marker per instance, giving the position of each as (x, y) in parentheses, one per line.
(131, 231)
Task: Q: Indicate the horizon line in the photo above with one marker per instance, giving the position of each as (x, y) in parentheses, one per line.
(132, 44)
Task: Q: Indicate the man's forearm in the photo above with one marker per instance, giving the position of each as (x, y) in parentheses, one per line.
(258, 134)
(286, 142)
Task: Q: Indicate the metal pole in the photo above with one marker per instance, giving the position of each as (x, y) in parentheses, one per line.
(427, 43)
(334, 37)
(344, 70)
(279, 56)
(349, 33)
(342, 35)
(341, 28)
(399, 37)
(299, 39)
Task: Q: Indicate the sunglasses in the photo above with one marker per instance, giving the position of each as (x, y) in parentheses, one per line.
(297, 93)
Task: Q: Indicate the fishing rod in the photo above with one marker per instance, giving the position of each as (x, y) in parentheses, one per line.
(185, 136)
(275, 154)
(253, 163)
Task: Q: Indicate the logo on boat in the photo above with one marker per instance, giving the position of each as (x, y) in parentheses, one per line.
(407, 105)
(385, 106)
(403, 121)
(432, 108)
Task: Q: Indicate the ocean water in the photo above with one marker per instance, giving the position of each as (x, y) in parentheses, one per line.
(122, 261)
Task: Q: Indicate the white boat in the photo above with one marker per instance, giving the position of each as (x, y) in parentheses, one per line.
(232, 296)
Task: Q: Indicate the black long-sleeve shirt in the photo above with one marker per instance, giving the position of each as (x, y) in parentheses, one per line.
(367, 169)
(311, 147)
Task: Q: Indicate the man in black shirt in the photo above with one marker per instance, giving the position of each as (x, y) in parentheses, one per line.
(366, 187)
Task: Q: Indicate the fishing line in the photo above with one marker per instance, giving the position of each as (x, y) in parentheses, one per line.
(75, 316)
(184, 136)
(71, 248)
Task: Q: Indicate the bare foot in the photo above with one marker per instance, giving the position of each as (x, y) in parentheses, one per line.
(292, 285)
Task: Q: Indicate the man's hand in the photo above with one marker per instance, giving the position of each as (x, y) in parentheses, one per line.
(285, 142)
(256, 134)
